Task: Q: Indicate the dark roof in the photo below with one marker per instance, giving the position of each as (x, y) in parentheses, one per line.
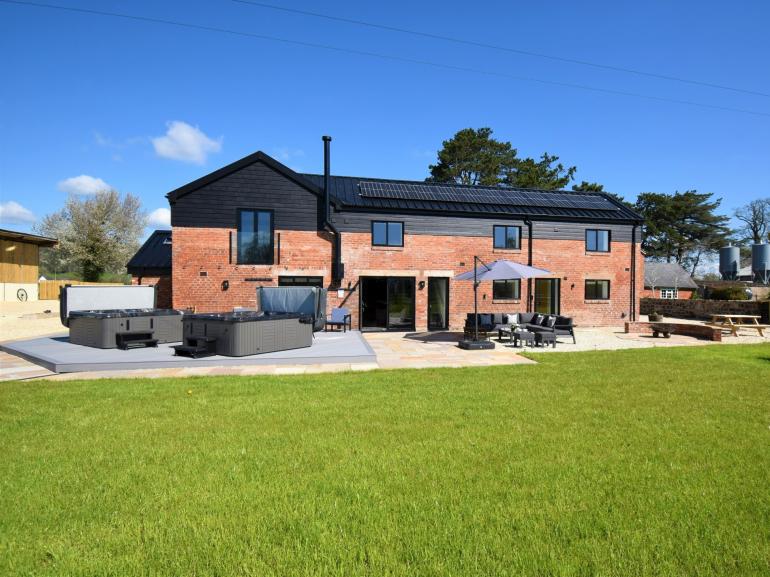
(346, 193)
(154, 256)
(258, 156)
(667, 275)
(26, 237)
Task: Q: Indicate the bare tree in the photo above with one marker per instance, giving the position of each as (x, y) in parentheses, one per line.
(755, 217)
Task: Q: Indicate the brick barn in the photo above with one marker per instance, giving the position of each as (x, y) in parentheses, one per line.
(388, 249)
(667, 280)
(151, 265)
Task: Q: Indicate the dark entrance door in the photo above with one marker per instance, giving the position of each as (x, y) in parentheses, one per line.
(438, 303)
(547, 296)
(387, 303)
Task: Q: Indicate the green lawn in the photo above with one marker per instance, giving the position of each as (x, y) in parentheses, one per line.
(628, 463)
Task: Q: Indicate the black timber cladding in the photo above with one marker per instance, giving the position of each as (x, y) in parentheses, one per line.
(253, 186)
(153, 257)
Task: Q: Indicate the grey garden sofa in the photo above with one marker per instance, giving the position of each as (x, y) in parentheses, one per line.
(533, 322)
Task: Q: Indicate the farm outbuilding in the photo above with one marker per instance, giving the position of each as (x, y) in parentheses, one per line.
(19, 264)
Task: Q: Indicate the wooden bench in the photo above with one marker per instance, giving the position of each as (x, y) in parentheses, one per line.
(732, 323)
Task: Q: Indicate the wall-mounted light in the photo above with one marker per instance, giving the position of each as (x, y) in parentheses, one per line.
(421, 284)
(225, 285)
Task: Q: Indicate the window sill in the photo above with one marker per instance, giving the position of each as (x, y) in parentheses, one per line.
(597, 301)
(598, 253)
(388, 248)
(508, 250)
(506, 301)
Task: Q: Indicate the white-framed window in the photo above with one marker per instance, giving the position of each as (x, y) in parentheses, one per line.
(669, 293)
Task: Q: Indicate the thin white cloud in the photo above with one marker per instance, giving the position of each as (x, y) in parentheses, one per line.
(186, 143)
(13, 213)
(285, 154)
(83, 184)
(159, 218)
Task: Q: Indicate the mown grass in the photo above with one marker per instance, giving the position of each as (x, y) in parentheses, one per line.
(653, 462)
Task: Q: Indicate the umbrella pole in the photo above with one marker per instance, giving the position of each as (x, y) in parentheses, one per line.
(475, 298)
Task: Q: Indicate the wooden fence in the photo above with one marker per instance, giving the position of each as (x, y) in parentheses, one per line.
(49, 289)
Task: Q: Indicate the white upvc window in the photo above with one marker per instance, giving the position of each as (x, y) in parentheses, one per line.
(669, 293)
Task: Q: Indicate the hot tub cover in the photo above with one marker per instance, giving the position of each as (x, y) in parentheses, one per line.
(248, 317)
(302, 300)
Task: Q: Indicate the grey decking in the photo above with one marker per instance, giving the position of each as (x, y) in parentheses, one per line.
(59, 355)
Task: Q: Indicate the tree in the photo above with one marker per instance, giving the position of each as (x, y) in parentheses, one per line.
(682, 227)
(97, 234)
(755, 217)
(545, 174)
(586, 186)
(472, 156)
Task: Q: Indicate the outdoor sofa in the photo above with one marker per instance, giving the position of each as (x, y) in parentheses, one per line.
(532, 322)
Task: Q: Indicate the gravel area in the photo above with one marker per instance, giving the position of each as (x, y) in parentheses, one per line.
(24, 320)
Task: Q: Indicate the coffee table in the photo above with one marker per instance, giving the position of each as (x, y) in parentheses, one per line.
(525, 337)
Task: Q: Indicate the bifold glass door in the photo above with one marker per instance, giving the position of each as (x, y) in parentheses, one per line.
(387, 303)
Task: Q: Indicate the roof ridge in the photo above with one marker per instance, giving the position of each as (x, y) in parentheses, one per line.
(467, 186)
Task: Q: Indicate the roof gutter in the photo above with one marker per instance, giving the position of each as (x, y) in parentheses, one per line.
(338, 269)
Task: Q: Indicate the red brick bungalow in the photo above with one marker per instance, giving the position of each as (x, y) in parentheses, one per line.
(388, 249)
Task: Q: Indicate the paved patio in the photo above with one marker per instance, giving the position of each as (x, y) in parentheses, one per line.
(386, 351)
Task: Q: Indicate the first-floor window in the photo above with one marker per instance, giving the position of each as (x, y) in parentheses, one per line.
(597, 240)
(506, 289)
(386, 233)
(597, 290)
(506, 237)
(255, 236)
(317, 281)
(669, 293)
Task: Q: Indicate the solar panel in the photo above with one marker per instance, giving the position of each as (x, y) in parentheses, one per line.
(485, 195)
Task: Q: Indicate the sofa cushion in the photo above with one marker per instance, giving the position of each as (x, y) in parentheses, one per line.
(537, 319)
(498, 319)
(485, 320)
(550, 321)
(512, 318)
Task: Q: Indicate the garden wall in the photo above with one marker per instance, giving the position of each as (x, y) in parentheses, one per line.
(703, 309)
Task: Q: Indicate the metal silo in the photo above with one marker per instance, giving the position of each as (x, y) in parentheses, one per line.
(760, 263)
(729, 262)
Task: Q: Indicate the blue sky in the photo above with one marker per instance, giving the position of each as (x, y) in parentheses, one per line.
(88, 101)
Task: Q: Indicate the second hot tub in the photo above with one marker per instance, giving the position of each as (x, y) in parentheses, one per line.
(240, 334)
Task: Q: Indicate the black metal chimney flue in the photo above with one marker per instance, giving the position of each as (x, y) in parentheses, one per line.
(327, 140)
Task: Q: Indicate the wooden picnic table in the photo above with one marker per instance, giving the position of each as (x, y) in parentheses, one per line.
(734, 322)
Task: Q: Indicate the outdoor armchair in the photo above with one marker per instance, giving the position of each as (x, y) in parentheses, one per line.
(340, 317)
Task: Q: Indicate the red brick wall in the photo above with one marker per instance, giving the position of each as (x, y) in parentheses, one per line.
(654, 294)
(197, 250)
(163, 290)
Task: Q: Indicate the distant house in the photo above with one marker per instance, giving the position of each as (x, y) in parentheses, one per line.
(151, 265)
(667, 280)
(19, 264)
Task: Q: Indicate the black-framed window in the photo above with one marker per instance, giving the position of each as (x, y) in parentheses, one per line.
(316, 281)
(506, 289)
(597, 290)
(597, 240)
(387, 233)
(507, 236)
(255, 236)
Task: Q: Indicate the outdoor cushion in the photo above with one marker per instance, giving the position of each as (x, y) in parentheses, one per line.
(537, 320)
(512, 318)
(550, 321)
(485, 320)
(498, 319)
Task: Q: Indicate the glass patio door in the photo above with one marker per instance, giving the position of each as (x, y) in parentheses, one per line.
(547, 296)
(400, 304)
(438, 304)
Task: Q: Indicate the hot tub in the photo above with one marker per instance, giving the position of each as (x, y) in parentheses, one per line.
(244, 333)
(106, 329)
(107, 317)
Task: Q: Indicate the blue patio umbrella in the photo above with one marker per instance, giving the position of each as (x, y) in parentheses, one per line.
(497, 270)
